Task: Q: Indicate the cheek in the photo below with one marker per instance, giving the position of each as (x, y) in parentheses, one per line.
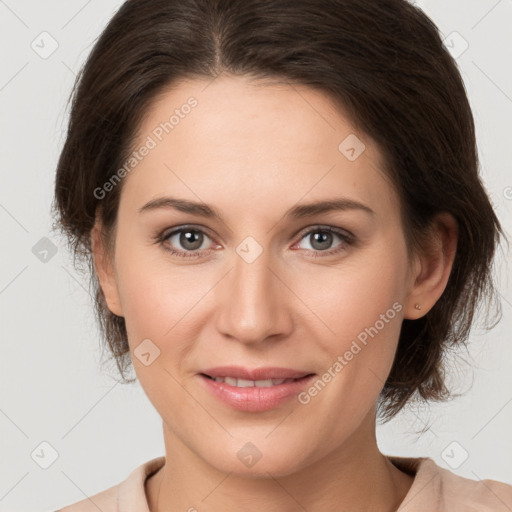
(161, 330)
(156, 299)
(354, 295)
(361, 305)
(158, 309)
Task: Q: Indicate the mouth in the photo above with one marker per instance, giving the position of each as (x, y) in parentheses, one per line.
(255, 390)
(248, 383)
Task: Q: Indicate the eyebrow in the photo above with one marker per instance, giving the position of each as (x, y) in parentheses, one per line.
(296, 212)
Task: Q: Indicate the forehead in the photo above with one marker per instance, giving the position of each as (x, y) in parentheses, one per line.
(235, 138)
(248, 111)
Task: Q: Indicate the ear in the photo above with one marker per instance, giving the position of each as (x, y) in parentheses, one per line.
(105, 270)
(432, 267)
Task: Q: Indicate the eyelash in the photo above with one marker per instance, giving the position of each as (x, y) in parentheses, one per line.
(347, 240)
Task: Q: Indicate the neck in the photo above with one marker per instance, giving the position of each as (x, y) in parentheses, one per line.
(355, 474)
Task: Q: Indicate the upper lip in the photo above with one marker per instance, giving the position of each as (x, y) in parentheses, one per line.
(241, 372)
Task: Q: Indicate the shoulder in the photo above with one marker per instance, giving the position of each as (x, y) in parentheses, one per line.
(106, 501)
(127, 496)
(482, 495)
(438, 489)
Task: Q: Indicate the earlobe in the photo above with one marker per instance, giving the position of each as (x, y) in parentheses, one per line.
(105, 271)
(433, 267)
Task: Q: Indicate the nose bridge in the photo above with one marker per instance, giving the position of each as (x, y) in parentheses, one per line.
(252, 278)
(254, 306)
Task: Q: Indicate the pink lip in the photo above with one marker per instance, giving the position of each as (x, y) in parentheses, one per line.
(255, 399)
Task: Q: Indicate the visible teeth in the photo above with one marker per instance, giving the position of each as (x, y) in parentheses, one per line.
(265, 383)
(245, 383)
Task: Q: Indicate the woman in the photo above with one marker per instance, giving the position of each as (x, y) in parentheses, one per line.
(281, 208)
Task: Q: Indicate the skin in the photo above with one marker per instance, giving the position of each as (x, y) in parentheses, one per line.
(252, 151)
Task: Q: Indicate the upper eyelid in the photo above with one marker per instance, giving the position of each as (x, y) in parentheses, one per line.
(178, 229)
(323, 227)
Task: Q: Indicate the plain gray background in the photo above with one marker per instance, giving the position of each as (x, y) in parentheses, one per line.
(53, 388)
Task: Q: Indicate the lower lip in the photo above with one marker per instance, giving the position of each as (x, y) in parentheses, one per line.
(255, 399)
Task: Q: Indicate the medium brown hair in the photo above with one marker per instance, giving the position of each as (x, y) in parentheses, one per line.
(382, 61)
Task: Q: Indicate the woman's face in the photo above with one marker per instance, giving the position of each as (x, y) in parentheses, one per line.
(265, 285)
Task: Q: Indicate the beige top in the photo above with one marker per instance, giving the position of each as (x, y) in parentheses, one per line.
(434, 489)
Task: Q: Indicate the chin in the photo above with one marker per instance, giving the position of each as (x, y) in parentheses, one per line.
(247, 460)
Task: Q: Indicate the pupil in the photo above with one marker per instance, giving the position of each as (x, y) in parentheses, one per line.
(322, 238)
(191, 237)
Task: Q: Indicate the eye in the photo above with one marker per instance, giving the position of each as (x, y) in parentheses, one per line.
(191, 240)
(321, 239)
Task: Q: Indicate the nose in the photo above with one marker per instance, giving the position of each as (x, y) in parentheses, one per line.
(255, 302)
